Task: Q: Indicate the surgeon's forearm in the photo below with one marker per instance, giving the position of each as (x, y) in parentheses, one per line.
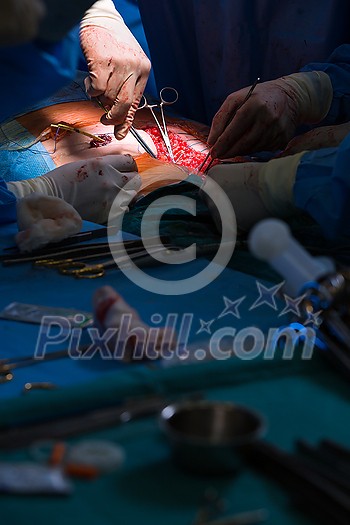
(313, 93)
(102, 13)
(256, 190)
(41, 185)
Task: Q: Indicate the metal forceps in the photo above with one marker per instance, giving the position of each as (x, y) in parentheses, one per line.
(83, 270)
(78, 268)
(163, 102)
(12, 363)
(246, 98)
(133, 131)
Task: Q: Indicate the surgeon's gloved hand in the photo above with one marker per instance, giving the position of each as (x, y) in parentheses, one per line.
(118, 68)
(89, 186)
(318, 138)
(256, 190)
(269, 118)
(42, 219)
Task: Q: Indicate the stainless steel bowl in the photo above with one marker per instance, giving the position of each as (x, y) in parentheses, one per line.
(210, 436)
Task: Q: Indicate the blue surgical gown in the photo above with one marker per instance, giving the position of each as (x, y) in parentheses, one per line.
(7, 204)
(32, 72)
(322, 188)
(322, 185)
(337, 67)
(208, 49)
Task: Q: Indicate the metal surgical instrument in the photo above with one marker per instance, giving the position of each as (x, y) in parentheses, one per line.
(66, 127)
(140, 140)
(85, 271)
(133, 132)
(13, 251)
(162, 126)
(81, 270)
(7, 365)
(86, 420)
(60, 253)
(232, 116)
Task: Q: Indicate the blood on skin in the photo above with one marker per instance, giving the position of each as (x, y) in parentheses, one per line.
(97, 144)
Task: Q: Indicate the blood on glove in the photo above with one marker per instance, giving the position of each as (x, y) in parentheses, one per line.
(129, 338)
(118, 67)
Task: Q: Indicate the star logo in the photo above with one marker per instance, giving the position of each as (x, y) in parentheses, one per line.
(292, 305)
(314, 319)
(231, 307)
(205, 326)
(266, 295)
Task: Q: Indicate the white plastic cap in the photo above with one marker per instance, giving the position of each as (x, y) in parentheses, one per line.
(271, 241)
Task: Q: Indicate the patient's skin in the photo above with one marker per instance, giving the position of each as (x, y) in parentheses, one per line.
(74, 146)
(86, 116)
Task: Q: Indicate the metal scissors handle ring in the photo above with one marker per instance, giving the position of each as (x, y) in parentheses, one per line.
(90, 272)
(145, 104)
(163, 99)
(165, 102)
(70, 267)
(82, 270)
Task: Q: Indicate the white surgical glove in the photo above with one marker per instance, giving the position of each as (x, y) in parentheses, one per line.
(118, 68)
(112, 312)
(269, 118)
(42, 219)
(19, 20)
(89, 186)
(256, 190)
(318, 138)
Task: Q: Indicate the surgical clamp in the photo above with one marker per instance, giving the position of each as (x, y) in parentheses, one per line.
(69, 251)
(98, 270)
(81, 270)
(162, 126)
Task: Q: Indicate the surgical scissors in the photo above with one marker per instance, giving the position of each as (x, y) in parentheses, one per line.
(162, 126)
(78, 268)
(82, 270)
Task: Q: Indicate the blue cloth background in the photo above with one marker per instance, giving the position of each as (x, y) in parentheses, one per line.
(35, 71)
(48, 287)
(208, 49)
